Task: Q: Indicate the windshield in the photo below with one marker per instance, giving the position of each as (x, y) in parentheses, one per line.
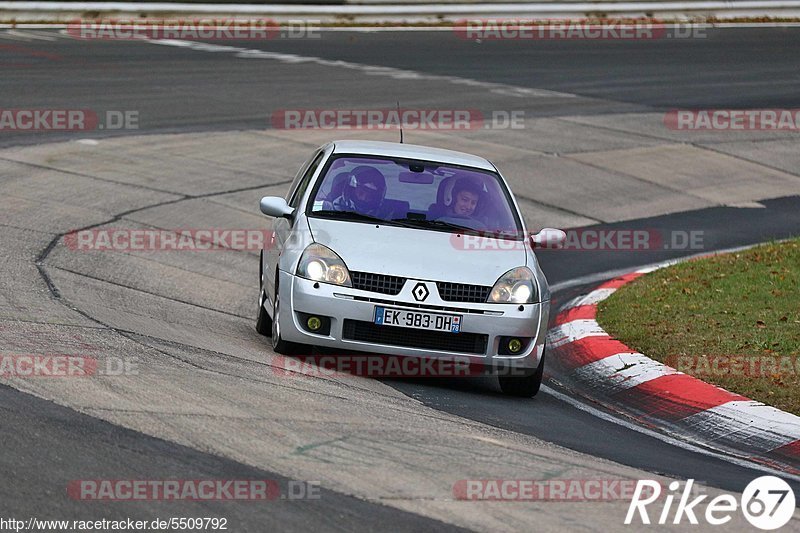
(415, 194)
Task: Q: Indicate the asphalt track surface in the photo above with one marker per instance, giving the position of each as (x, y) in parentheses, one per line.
(180, 90)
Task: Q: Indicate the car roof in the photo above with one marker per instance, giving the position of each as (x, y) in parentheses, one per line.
(411, 151)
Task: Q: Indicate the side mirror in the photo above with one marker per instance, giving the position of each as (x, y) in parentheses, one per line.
(548, 238)
(277, 207)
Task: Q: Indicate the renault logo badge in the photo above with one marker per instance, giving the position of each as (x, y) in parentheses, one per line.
(420, 292)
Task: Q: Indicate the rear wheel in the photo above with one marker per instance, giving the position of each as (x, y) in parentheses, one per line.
(524, 386)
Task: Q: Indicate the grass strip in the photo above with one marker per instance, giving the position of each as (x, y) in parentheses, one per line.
(732, 320)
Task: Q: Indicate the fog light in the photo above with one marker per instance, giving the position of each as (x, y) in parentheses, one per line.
(514, 345)
(314, 323)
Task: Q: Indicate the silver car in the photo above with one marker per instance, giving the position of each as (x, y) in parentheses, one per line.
(406, 250)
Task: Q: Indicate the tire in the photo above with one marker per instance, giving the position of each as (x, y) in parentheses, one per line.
(278, 344)
(523, 386)
(263, 322)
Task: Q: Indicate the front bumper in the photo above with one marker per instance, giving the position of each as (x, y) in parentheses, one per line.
(345, 303)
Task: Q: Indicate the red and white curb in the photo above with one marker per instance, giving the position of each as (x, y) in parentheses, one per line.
(658, 395)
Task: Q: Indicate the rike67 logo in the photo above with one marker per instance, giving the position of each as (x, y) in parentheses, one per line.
(767, 502)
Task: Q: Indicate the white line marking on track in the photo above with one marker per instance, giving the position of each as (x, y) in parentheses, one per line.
(374, 70)
(665, 438)
(13, 37)
(30, 35)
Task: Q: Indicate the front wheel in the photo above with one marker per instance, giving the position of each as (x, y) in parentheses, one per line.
(523, 386)
(278, 344)
(263, 322)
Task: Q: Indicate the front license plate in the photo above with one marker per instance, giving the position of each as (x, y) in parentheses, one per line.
(387, 316)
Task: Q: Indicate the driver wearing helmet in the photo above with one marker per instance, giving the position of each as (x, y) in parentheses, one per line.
(363, 193)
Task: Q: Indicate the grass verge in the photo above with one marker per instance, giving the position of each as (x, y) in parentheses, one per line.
(732, 320)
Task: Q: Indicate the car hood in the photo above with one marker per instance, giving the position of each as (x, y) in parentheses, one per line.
(418, 254)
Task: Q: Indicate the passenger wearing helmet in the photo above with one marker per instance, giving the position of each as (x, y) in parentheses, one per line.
(465, 198)
(363, 193)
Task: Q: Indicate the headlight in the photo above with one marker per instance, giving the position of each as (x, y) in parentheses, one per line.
(320, 263)
(517, 286)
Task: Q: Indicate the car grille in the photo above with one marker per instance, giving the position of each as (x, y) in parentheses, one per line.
(367, 281)
(462, 292)
(427, 307)
(357, 330)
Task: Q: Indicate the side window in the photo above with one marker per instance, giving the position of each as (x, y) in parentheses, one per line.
(303, 185)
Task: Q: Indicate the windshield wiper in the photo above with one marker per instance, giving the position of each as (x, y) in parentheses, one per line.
(351, 215)
(424, 223)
